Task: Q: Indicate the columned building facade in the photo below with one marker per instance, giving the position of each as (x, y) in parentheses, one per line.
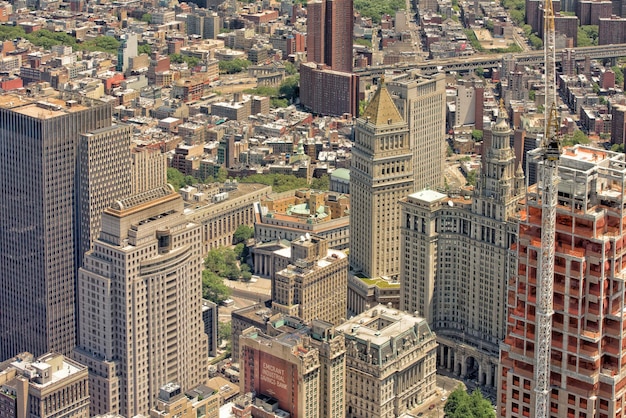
(455, 254)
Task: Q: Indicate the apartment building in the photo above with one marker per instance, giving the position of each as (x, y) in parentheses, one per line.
(588, 350)
(301, 371)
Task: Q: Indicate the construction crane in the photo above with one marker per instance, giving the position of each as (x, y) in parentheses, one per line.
(549, 194)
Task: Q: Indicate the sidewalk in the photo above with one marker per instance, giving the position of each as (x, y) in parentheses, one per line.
(262, 285)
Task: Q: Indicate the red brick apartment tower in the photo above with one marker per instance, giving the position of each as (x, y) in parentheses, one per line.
(339, 28)
(588, 353)
(316, 12)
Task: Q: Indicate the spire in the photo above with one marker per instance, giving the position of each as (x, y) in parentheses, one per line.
(381, 110)
(502, 124)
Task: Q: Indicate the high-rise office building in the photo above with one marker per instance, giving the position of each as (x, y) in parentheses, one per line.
(149, 169)
(302, 289)
(588, 350)
(39, 145)
(421, 100)
(381, 175)
(105, 175)
(330, 27)
(455, 258)
(140, 304)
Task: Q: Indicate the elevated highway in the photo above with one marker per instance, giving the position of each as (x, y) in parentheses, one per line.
(492, 60)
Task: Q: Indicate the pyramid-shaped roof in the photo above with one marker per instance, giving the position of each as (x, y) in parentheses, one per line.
(381, 110)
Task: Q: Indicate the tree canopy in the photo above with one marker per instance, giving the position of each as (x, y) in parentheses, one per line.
(377, 8)
(180, 58)
(234, 66)
(477, 134)
(47, 39)
(462, 405)
(242, 234)
(213, 287)
(578, 137)
(178, 179)
(279, 182)
(322, 183)
(289, 88)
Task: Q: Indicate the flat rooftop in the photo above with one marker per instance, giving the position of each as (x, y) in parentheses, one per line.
(38, 107)
(379, 324)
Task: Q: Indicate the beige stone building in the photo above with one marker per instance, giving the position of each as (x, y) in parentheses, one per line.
(140, 304)
(381, 175)
(199, 402)
(149, 169)
(50, 386)
(314, 284)
(220, 214)
(455, 253)
(390, 362)
(291, 214)
(421, 101)
(105, 175)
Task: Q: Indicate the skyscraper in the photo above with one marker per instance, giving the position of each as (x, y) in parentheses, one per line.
(421, 100)
(105, 175)
(381, 175)
(140, 304)
(315, 26)
(326, 84)
(588, 352)
(39, 145)
(455, 258)
(338, 32)
(330, 27)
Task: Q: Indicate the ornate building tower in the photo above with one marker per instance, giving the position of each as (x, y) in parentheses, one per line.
(455, 258)
(381, 175)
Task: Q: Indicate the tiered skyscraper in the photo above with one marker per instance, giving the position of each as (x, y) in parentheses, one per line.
(140, 304)
(327, 85)
(381, 175)
(39, 146)
(455, 253)
(588, 353)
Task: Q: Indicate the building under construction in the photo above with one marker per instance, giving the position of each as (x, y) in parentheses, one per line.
(587, 376)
